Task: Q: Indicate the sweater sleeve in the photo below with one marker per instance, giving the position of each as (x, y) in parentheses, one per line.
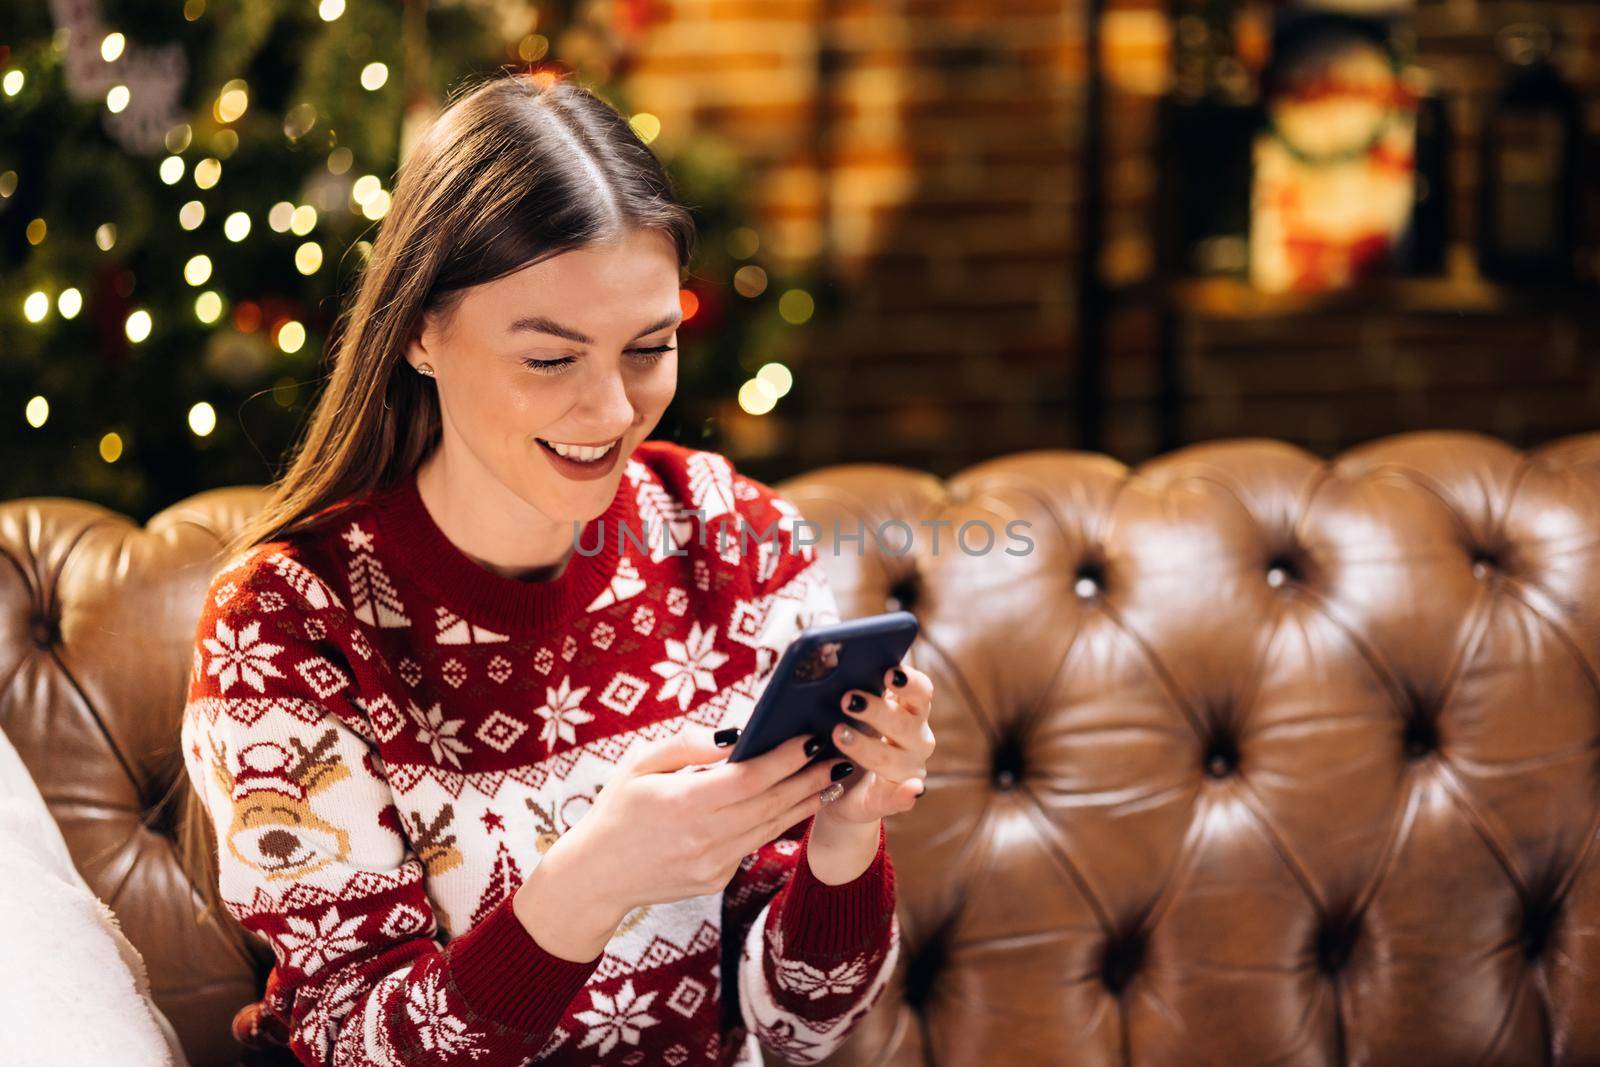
(312, 856)
(816, 957)
(813, 958)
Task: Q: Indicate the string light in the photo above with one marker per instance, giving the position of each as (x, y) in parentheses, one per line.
(376, 206)
(37, 411)
(117, 98)
(202, 419)
(778, 377)
(280, 215)
(8, 184)
(533, 47)
(646, 125)
(111, 47)
(247, 317)
(308, 258)
(291, 336)
(12, 82)
(138, 326)
(232, 101)
(757, 397)
(750, 280)
(299, 121)
(105, 236)
(796, 306)
(236, 227)
(191, 215)
(340, 160)
(373, 76)
(171, 170)
(69, 303)
(330, 9)
(111, 447)
(207, 172)
(304, 220)
(36, 306)
(197, 270)
(364, 187)
(208, 307)
(36, 231)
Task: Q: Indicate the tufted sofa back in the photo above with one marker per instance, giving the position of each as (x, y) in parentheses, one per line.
(1244, 756)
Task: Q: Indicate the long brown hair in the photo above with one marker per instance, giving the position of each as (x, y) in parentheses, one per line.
(515, 169)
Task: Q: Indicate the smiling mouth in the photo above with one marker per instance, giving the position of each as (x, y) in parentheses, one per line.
(578, 453)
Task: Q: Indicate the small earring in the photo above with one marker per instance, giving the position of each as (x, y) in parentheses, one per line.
(423, 368)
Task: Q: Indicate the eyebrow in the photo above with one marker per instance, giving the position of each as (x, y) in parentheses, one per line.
(544, 324)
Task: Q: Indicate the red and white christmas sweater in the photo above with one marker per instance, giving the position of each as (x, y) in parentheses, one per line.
(388, 736)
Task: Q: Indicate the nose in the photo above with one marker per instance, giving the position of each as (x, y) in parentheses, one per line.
(606, 402)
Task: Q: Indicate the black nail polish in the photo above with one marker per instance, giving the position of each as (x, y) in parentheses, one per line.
(813, 746)
(840, 770)
(857, 702)
(724, 738)
(900, 677)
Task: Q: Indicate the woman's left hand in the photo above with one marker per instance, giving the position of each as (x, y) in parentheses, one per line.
(889, 742)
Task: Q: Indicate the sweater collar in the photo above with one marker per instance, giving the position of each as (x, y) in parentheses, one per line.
(508, 605)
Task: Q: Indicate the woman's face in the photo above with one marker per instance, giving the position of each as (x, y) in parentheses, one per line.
(579, 349)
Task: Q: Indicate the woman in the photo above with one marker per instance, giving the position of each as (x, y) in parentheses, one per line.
(411, 680)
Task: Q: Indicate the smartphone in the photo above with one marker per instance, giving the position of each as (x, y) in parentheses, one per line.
(808, 685)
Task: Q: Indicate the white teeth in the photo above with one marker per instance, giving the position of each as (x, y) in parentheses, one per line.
(579, 452)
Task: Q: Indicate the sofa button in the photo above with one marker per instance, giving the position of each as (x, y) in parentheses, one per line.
(45, 631)
(1222, 757)
(1090, 580)
(1420, 738)
(1123, 957)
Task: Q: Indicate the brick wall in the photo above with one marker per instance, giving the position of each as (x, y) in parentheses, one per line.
(927, 152)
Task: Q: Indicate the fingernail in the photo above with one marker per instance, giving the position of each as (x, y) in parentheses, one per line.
(857, 702)
(723, 738)
(846, 735)
(899, 676)
(840, 770)
(813, 746)
(832, 793)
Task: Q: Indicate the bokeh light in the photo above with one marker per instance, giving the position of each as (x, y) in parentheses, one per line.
(138, 326)
(208, 307)
(197, 270)
(202, 419)
(36, 306)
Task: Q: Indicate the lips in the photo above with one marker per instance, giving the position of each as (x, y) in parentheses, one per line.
(578, 453)
(580, 470)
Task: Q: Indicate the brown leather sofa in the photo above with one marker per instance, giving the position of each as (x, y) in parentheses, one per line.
(1254, 758)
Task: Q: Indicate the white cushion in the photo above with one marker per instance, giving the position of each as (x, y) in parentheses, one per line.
(77, 990)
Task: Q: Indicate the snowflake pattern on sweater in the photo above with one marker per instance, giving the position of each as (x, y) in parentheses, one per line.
(388, 737)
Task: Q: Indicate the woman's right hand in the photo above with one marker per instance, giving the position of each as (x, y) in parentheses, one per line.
(665, 828)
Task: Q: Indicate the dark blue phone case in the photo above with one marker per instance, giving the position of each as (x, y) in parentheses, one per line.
(799, 701)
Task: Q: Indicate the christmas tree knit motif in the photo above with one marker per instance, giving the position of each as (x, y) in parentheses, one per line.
(388, 737)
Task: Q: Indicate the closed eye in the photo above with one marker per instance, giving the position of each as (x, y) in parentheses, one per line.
(556, 366)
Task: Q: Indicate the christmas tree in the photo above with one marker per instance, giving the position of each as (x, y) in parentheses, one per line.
(188, 188)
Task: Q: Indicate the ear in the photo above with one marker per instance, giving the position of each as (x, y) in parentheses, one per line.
(421, 340)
